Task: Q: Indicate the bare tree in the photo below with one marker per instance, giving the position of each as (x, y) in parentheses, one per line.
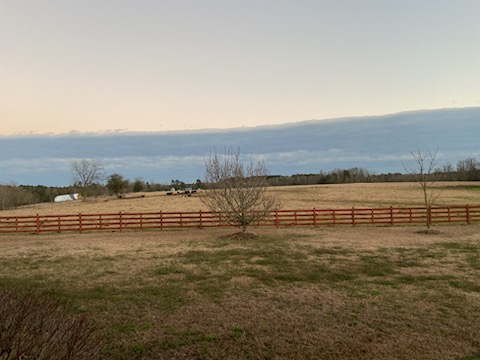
(12, 195)
(468, 169)
(424, 170)
(6, 197)
(86, 172)
(237, 191)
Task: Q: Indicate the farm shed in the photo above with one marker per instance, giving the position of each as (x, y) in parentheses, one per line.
(67, 197)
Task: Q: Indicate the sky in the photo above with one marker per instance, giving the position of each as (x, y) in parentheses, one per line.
(157, 65)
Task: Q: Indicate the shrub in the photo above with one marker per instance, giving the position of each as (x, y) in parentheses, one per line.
(34, 326)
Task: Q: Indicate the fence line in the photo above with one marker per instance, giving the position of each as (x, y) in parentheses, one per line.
(279, 218)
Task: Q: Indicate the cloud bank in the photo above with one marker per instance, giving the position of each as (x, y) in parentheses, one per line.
(378, 143)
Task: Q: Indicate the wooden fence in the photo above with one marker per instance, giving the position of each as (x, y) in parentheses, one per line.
(280, 218)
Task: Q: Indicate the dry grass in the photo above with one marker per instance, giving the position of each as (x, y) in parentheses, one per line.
(290, 197)
(309, 293)
(375, 195)
(314, 293)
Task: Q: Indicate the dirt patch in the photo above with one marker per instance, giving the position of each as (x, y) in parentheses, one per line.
(239, 236)
(429, 232)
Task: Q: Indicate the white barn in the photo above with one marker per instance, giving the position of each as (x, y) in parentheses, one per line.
(67, 197)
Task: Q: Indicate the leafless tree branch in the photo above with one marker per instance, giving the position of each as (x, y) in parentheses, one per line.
(237, 191)
(86, 172)
(425, 174)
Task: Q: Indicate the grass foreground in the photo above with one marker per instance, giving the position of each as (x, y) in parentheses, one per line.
(326, 293)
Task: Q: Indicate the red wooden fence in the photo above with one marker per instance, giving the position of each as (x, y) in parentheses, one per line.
(200, 219)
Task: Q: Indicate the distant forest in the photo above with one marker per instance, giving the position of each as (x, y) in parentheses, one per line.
(13, 195)
(465, 170)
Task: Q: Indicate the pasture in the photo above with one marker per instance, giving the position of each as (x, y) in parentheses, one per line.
(290, 197)
(291, 293)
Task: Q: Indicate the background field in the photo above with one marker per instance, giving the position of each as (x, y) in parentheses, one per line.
(290, 197)
(311, 293)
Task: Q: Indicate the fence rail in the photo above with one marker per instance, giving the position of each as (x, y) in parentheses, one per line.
(280, 218)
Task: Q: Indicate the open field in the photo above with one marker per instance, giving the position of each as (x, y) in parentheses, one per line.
(311, 293)
(290, 197)
(323, 293)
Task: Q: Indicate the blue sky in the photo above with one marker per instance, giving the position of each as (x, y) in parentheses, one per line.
(114, 65)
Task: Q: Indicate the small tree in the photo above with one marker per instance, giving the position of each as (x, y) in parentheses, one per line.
(237, 191)
(116, 183)
(177, 184)
(425, 174)
(138, 185)
(86, 173)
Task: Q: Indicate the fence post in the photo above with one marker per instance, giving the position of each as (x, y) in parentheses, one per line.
(334, 220)
(353, 215)
(200, 219)
(80, 222)
(391, 215)
(467, 213)
(314, 217)
(120, 220)
(38, 225)
(161, 220)
(276, 218)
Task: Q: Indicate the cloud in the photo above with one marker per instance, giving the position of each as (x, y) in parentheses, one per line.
(328, 157)
(380, 144)
(33, 165)
(152, 162)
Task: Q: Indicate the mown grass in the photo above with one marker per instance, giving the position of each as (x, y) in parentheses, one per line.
(273, 297)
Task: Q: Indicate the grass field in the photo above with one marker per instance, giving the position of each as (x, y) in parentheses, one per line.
(290, 197)
(313, 293)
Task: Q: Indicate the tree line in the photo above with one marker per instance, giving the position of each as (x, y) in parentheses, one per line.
(465, 170)
(89, 180)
